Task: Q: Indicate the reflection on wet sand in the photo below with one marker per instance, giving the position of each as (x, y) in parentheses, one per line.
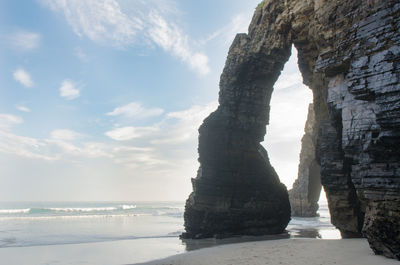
(194, 244)
(305, 233)
(294, 232)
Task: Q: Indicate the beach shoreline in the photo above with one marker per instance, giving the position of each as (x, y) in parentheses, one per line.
(107, 233)
(282, 252)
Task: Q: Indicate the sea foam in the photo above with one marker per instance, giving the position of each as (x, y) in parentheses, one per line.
(123, 207)
(8, 211)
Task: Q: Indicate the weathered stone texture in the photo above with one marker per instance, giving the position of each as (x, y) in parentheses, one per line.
(349, 54)
(306, 189)
(236, 190)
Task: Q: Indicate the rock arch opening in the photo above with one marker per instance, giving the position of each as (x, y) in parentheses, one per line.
(348, 55)
(291, 140)
(288, 113)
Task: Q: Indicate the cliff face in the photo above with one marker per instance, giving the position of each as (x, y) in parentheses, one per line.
(307, 188)
(348, 53)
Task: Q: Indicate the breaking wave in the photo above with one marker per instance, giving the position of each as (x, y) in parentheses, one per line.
(123, 207)
(8, 211)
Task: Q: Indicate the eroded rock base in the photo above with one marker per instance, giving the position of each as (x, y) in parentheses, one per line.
(256, 205)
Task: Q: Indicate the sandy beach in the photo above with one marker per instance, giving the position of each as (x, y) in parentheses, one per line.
(283, 252)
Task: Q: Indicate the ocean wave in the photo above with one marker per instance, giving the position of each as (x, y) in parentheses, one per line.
(127, 207)
(8, 211)
(52, 217)
(179, 208)
(123, 207)
(94, 209)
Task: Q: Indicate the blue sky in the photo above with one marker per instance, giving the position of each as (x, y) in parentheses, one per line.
(101, 99)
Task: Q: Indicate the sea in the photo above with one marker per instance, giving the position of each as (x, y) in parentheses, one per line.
(101, 233)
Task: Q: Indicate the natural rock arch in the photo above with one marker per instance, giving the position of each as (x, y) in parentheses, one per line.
(348, 54)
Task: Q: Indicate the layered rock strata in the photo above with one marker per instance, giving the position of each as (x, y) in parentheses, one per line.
(306, 189)
(348, 53)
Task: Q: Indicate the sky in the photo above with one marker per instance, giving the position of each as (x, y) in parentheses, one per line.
(100, 100)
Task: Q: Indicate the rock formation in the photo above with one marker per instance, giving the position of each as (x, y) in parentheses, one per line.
(307, 188)
(242, 196)
(348, 54)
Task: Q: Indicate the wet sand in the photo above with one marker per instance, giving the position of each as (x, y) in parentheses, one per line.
(282, 252)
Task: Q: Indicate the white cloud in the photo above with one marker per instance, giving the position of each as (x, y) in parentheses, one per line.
(24, 40)
(194, 113)
(87, 150)
(169, 37)
(172, 158)
(135, 157)
(135, 110)
(23, 108)
(93, 149)
(100, 20)
(19, 145)
(176, 128)
(23, 146)
(141, 22)
(130, 132)
(164, 146)
(182, 126)
(68, 90)
(64, 134)
(7, 121)
(23, 77)
(125, 148)
(56, 148)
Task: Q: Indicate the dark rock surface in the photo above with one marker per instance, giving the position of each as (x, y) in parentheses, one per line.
(234, 205)
(349, 55)
(306, 189)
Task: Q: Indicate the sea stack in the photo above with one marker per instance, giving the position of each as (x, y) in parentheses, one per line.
(306, 189)
(348, 54)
